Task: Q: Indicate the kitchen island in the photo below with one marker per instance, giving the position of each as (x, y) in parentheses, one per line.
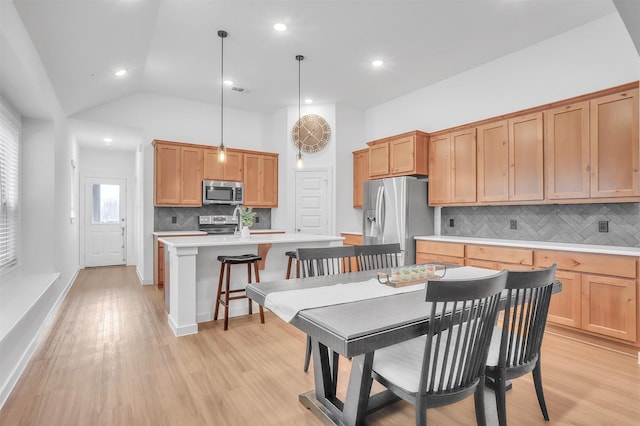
(191, 275)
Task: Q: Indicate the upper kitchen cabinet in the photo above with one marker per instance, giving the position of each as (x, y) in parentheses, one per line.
(360, 175)
(178, 174)
(567, 151)
(452, 165)
(592, 148)
(260, 179)
(230, 170)
(615, 157)
(401, 155)
(510, 160)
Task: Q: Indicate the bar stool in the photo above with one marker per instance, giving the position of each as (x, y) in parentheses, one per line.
(293, 257)
(223, 297)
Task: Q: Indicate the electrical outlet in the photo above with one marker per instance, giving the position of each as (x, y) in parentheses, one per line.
(513, 224)
(603, 226)
(257, 219)
(174, 219)
(451, 223)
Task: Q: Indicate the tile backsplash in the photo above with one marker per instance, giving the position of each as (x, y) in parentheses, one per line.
(186, 218)
(569, 223)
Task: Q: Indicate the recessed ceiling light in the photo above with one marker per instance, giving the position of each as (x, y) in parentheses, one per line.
(308, 101)
(108, 140)
(377, 63)
(280, 27)
(228, 82)
(120, 72)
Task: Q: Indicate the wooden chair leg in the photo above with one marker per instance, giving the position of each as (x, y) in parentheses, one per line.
(289, 268)
(478, 399)
(226, 298)
(537, 381)
(297, 269)
(215, 312)
(501, 404)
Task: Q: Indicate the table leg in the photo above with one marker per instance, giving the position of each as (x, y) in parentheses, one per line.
(355, 405)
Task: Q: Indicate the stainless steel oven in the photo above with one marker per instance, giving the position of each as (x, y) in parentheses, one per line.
(222, 192)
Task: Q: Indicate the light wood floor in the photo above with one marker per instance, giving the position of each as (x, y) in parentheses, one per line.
(109, 358)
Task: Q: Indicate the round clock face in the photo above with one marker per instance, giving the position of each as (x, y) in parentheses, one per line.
(311, 133)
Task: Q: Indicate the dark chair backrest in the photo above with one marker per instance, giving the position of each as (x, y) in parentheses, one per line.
(525, 317)
(378, 256)
(325, 260)
(457, 342)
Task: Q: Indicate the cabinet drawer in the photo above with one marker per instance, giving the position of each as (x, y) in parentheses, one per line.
(351, 239)
(501, 254)
(435, 247)
(605, 264)
(438, 258)
(498, 266)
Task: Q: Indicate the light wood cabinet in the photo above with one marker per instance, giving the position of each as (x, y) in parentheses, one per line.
(352, 240)
(401, 155)
(440, 169)
(567, 151)
(615, 153)
(606, 303)
(230, 170)
(260, 179)
(177, 174)
(452, 161)
(526, 158)
(493, 162)
(360, 175)
(599, 291)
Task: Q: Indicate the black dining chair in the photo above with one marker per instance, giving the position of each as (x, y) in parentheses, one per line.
(515, 347)
(315, 262)
(446, 364)
(378, 256)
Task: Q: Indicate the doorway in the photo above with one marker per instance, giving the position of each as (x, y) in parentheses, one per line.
(312, 201)
(105, 221)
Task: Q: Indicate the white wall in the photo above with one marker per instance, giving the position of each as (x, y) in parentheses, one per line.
(594, 56)
(174, 119)
(110, 164)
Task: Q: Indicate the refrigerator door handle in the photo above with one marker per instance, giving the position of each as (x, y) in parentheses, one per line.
(380, 210)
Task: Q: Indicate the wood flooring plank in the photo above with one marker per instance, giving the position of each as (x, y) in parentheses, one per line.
(109, 358)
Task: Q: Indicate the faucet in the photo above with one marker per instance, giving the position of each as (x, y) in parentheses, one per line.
(236, 218)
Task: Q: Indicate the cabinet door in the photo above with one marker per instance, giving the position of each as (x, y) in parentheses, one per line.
(615, 157)
(211, 168)
(565, 306)
(379, 160)
(270, 180)
(493, 162)
(526, 158)
(191, 176)
(167, 174)
(567, 151)
(463, 166)
(609, 306)
(233, 167)
(440, 169)
(261, 180)
(360, 173)
(402, 158)
(252, 179)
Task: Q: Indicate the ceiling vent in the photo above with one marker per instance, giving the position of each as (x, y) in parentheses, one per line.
(239, 89)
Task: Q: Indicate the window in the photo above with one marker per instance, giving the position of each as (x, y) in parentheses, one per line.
(9, 184)
(106, 203)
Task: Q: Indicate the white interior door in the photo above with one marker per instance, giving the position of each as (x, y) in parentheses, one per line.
(105, 221)
(312, 205)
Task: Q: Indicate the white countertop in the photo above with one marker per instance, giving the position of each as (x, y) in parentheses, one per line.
(584, 248)
(233, 240)
(177, 233)
(351, 232)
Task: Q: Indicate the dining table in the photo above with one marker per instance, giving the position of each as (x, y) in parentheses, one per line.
(353, 315)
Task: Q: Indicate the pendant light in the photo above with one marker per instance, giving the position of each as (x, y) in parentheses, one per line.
(222, 151)
(299, 164)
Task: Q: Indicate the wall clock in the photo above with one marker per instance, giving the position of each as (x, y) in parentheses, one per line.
(311, 133)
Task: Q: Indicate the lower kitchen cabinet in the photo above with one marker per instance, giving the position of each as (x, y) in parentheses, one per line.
(352, 240)
(599, 291)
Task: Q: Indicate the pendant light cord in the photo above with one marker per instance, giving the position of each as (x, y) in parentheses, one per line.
(222, 35)
(299, 59)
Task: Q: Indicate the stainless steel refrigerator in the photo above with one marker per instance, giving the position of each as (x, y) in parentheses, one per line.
(395, 210)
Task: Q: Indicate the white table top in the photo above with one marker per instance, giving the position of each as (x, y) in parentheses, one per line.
(233, 240)
(584, 248)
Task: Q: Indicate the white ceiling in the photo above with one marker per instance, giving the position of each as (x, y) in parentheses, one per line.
(171, 47)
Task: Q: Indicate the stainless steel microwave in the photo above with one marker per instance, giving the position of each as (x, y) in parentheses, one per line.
(222, 192)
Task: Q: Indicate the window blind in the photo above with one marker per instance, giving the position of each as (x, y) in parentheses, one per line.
(9, 188)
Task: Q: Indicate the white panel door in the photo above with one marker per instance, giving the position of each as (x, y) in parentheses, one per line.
(312, 205)
(105, 221)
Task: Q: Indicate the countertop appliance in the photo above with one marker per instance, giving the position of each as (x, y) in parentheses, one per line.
(222, 192)
(394, 211)
(218, 224)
